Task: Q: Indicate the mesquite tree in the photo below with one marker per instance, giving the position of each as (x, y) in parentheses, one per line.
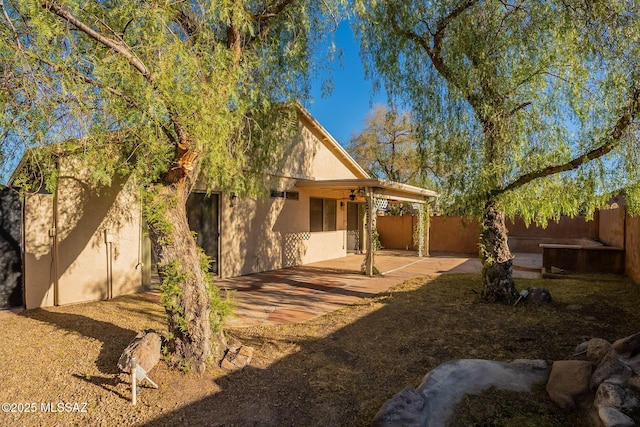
(386, 147)
(531, 106)
(165, 92)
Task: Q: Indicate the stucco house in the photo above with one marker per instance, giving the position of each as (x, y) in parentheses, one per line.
(83, 245)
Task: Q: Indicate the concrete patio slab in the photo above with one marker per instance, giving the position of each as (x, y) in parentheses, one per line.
(300, 293)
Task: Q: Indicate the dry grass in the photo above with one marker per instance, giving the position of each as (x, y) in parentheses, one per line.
(337, 369)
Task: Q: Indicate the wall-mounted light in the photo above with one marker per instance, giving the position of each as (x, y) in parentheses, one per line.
(352, 196)
(233, 199)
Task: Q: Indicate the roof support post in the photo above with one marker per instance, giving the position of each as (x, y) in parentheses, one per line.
(426, 221)
(420, 230)
(371, 224)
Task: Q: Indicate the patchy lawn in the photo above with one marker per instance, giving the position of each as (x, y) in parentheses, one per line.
(337, 369)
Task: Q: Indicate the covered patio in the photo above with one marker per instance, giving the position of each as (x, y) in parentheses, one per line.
(375, 195)
(299, 293)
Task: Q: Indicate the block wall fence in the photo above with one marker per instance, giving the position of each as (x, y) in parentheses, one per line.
(456, 234)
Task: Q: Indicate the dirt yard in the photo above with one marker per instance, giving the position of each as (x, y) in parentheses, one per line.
(337, 369)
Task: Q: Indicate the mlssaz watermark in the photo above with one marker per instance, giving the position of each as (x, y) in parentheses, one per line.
(53, 407)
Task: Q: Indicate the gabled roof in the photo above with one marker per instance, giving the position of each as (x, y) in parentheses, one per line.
(391, 190)
(333, 145)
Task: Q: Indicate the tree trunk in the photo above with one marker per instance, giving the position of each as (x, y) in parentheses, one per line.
(497, 264)
(185, 287)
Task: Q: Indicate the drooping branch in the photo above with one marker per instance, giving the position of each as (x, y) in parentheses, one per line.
(13, 28)
(262, 20)
(432, 43)
(76, 74)
(518, 108)
(272, 11)
(117, 46)
(184, 158)
(608, 144)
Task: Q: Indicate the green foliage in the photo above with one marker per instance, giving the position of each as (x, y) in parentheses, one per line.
(154, 208)
(221, 306)
(502, 92)
(165, 93)
(171, 293)
(172, 71)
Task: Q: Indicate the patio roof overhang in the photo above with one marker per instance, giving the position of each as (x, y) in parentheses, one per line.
(382, 189)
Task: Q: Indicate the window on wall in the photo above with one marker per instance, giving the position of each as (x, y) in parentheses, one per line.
(322, 214)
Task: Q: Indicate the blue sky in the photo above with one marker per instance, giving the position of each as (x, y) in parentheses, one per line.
(344, 111)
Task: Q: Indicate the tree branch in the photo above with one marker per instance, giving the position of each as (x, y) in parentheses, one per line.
(184, 161)
(434, 50)
(272, 11)
(518, 108)
(13, 29)
(63, 13)
(608, 144)
(89, 80)
(262, 19)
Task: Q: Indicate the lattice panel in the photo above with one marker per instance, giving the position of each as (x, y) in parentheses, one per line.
(293, 248)
(380, 204)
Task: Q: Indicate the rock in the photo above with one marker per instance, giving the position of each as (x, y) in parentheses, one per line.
(628, 347)
(593, 350)
(146, 348)
(611, 417)
(620, 364)
(634, 382)
(233, 344)
(628, 351)
(237, 358)
(568, 382)
(531, 364)
(596, 349)
(615, 396)
(446, 385)
(611, 369)
(539, 295)
(405, 408)
(580, 353)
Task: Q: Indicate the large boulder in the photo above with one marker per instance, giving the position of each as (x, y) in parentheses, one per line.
(620, 363)
(615, 396)
(611, 417)
(404, 409)
(569, 382)
(146, 347)
(593, 350)
(432, 403)
(596, 349)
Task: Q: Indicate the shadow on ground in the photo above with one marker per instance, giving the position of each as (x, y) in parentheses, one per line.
(113, 338)
(340, 368)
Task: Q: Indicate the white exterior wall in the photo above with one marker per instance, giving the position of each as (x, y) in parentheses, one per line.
(270, 233)
(100, 245)
(98, 238)
(38, 247)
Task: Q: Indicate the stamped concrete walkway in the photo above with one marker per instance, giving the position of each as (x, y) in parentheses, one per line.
(299, 293)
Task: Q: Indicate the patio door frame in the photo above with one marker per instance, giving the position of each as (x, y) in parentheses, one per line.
(216, 217)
